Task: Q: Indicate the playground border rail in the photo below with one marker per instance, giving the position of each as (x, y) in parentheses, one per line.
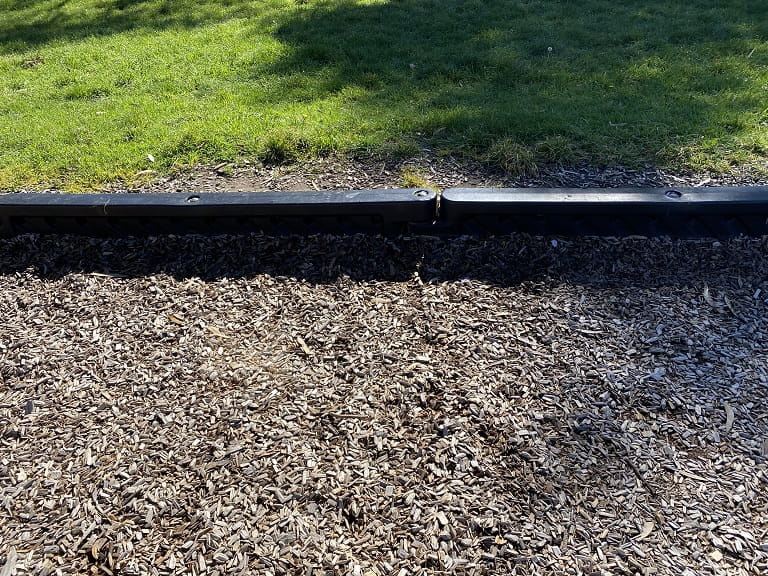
(718, 212)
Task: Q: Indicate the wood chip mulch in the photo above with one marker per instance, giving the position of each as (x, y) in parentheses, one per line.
(364, 406)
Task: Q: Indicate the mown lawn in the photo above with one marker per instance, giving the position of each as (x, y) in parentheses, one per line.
(93, 91)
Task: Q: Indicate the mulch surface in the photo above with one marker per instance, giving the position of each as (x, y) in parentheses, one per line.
(368, 406)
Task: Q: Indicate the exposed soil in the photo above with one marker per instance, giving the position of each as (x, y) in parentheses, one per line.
(439, 172)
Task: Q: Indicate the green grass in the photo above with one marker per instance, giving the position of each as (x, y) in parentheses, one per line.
(90, 90)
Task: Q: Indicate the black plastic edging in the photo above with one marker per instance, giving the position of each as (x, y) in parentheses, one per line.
(677, 212)
(347, 211)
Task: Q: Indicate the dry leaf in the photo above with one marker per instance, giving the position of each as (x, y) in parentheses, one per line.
(216, 332)
(96, 547)
(729, 416)
(646, 531)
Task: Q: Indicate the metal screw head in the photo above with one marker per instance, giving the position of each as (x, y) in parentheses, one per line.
(193, 199)
(674, 194)
(421, 193)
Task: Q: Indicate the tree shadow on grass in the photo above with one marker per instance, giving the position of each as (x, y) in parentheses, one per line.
(609, 81)
(29, 24)
(518, 83)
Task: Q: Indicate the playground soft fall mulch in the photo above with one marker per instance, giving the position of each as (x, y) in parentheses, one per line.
(370, 406)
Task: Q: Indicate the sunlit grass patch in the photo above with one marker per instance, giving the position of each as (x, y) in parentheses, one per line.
(90, 90)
